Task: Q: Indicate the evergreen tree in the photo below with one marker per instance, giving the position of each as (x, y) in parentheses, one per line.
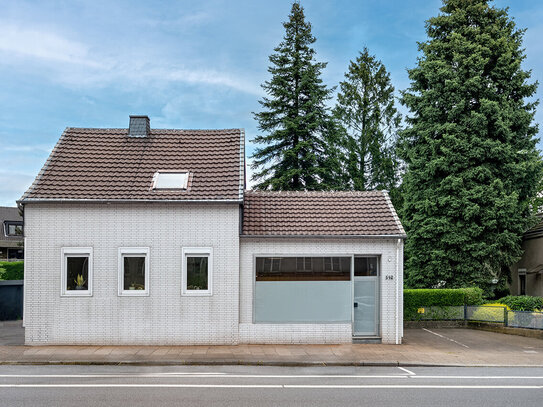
(295, 117)
(473, 167)
(365, 108)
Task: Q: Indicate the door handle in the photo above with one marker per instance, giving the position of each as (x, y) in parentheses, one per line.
(356, 305)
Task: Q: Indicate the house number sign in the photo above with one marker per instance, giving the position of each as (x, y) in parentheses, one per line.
(389, 277)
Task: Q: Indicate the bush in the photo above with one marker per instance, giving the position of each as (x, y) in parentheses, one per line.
(473, 295)
(442, 297)
(446, 297)
(11, 270)
(493, 312)
(523, 302)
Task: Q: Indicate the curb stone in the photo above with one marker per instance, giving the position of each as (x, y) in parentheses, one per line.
(250, 363)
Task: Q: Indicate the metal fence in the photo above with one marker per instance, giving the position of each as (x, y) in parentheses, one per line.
(483, 313)
(525, 319)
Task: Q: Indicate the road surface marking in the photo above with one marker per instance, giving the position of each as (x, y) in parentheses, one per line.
(188, 375)
(444, 337)
(530, 351)
(267, 386)
(407, 371)
(478, 377)
(253, 376)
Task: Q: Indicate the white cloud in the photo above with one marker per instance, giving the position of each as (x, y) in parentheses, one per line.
(43, 45)
(184, 21)
(249, 173)
(12, 186)
(208, 77)
(28, 148)
(73, 63)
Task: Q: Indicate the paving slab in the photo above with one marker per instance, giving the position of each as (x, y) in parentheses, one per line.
(421, 347)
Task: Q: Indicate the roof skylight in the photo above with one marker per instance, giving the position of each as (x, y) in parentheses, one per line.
(170, 180)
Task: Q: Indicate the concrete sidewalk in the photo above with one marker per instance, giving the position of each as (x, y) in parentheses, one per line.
(422, 347)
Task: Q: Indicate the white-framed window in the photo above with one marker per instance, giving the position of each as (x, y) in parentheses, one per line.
(304, 264)
(272, 264)
(170, 180)
(332, 264)
(76, 271)
(133, 271)
(197, 271)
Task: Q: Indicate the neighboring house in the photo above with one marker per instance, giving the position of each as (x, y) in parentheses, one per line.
(11, 237)
(527, 273)
(144, 236)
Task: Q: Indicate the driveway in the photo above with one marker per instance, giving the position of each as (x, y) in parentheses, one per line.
(422, 347)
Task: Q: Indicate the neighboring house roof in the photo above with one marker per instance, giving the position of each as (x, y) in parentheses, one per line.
(360, 213)
(536, 231)
(109, 165)
(8, 214)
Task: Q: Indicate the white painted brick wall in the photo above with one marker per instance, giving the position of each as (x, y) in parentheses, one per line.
(164, 317)
(320, 333)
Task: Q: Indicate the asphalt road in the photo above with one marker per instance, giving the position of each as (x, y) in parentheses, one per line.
(268, 386)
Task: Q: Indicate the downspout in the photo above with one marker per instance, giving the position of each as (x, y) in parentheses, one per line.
(25, 279)
(397, 290)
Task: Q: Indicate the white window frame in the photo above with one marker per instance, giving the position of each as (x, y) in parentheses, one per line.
(273, 260)
(133, 252)
(331, 269)
(197, 252)
(304, 264)
(66, 252)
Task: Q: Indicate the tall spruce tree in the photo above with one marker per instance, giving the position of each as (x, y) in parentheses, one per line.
(365, 108)
(295, 118)
(473, 167)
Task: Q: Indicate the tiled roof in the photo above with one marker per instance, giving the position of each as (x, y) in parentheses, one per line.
(8, 213)
(537, 230)
(107, 164)
(361, 213)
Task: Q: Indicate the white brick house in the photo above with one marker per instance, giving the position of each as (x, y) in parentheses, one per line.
(144, 236)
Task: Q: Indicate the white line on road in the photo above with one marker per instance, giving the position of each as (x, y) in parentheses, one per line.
(253, 376)
(267, 386)
(407, 386)
(188, 375)
(407, 371)
(444, 337)
(478, 377)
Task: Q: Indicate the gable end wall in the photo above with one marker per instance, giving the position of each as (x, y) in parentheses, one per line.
(164, 317)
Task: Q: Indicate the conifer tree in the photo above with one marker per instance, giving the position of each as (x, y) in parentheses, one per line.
(295, 119)
(365, 108)
(473, 167)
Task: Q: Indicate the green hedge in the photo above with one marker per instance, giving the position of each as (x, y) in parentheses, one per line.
(413, 299)
(522, 302)
(11, 270)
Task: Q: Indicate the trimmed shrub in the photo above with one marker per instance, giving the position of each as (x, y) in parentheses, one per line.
(492, 312)
(473, 295)
(438, 297)
(523, 302)
(11, 270)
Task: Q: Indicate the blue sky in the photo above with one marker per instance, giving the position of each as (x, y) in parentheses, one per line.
(186, 64)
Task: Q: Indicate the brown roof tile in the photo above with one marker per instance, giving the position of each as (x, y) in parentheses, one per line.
(107, 164)
(359, 213)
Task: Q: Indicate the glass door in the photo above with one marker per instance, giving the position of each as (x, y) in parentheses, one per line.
(366, 296)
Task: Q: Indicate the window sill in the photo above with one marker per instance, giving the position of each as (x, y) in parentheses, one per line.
(133, 293)
(196, 293)
(77, 294)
